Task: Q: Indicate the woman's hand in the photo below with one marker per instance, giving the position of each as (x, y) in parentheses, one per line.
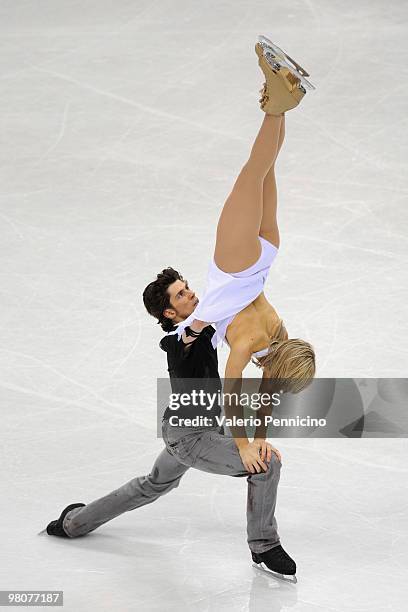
(196, 326)
(251, 457)
(267, 449)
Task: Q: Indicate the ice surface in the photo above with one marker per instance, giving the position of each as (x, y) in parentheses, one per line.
(124, 125)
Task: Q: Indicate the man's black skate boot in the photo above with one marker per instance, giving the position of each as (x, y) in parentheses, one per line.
(55, 527)
(277, 561)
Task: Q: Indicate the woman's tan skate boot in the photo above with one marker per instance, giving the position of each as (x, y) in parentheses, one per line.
(283, 89)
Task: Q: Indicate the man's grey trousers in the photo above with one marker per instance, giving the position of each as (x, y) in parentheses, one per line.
(205, 449)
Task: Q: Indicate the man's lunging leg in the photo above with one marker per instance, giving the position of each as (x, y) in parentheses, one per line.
(164, 476)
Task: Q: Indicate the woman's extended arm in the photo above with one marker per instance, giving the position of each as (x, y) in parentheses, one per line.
(239, 357)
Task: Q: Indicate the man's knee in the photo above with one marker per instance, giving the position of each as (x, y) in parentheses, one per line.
(173, 484)
(162, 487)
(274, 466)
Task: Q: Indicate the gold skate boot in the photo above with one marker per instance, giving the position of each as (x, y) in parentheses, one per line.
(285, 84)
(273, 51)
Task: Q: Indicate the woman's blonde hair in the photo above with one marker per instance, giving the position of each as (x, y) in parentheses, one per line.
(291, 361)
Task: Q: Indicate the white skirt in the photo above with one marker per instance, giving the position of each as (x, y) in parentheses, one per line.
(226, 293)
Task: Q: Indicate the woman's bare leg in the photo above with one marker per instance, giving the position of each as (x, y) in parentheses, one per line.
(269, 223)
(237, 244)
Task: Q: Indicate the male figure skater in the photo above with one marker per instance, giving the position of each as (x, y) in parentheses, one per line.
(170, 299)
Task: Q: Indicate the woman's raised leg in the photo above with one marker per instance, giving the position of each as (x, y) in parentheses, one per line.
(269, 223)
(237, 244)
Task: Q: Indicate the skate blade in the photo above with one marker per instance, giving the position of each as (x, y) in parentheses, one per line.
(41, 532)
(286, 61)
(264, 568)
(281, 53)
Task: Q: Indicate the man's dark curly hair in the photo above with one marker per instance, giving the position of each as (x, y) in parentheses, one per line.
(156, 299)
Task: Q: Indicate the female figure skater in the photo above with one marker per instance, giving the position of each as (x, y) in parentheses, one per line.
(247, 243)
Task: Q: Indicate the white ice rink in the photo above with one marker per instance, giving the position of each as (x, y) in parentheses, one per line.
(124, 124)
